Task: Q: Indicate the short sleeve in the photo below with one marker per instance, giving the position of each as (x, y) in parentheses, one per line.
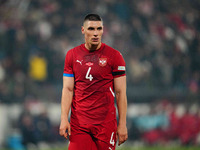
(68, 68)
(119, 65)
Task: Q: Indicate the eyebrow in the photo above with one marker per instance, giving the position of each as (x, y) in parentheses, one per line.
(92, 28)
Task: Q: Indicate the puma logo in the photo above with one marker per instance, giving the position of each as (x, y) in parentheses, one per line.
(79, 61)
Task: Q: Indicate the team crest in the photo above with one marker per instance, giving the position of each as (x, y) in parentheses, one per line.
(102, 62)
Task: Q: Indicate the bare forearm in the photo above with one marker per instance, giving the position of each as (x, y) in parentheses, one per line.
(122, 107)
(122, 132)
(66, 103)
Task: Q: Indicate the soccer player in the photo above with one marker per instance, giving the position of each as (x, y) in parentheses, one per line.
(94, 74)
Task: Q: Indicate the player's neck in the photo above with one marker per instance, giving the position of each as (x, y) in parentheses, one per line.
(92, 47)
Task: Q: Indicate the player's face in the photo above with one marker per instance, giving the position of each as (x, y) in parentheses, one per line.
(93, 31)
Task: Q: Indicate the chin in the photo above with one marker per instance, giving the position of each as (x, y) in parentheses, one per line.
(95, 43)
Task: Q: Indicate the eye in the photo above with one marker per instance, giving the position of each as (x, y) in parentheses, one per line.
(99, 28)
(90, 28)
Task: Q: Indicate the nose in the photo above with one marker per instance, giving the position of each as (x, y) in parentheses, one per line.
(95, 33)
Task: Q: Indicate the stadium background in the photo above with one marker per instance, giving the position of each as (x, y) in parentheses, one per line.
(159, 39)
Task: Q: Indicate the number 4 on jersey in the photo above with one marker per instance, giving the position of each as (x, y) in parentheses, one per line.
(112, 141)
(88, 75)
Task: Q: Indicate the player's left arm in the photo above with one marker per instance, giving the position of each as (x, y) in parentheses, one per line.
(120, 90)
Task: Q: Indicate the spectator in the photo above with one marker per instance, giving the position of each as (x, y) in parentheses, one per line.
(26, 125)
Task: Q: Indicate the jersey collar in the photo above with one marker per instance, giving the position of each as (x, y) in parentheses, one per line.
(85, 49)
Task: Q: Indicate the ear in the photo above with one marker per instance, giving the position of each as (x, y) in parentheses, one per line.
(82, 30)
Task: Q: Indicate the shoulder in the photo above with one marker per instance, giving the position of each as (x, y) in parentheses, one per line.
(112, 51)
(109, 47)
(73, 50)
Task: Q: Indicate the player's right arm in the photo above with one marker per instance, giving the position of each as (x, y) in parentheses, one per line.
(66, 101)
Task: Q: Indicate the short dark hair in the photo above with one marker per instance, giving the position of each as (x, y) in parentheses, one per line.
(92, 17)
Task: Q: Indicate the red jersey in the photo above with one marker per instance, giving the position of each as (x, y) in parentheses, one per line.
(93, 72)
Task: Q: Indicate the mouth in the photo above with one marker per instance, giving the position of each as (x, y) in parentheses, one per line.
(95, 39)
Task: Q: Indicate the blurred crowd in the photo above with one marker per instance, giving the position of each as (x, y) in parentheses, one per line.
(33, 125)
(165, 123)
(157, 123)
(159, 40)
